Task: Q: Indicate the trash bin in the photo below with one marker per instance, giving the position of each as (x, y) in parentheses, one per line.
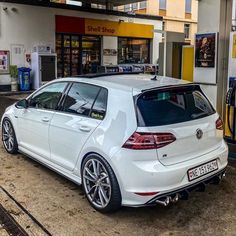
(24, 78)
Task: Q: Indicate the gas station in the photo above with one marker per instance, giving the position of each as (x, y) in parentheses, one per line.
(55, 40)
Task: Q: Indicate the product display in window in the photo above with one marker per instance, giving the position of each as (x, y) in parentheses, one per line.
(77, 54)
(131, 50)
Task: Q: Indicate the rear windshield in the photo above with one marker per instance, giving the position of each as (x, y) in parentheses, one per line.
(171, 106)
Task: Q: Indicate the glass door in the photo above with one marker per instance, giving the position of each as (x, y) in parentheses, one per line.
(59, 49)
(91, 53)
(67, 55)
(75, 55)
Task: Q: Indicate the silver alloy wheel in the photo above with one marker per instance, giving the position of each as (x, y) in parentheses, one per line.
(8, 135)
(97, 183)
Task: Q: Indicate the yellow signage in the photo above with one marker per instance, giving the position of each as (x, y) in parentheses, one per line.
(234, 47)
(187, 63)
(122, 29)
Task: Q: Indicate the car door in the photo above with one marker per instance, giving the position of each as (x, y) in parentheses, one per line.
(83, 110)
(34, 121)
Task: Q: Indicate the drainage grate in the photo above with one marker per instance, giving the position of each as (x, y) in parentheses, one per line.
(9, 224)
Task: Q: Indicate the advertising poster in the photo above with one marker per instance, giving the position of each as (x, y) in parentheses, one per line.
(205, 50)
(109, 52)
(4, 62)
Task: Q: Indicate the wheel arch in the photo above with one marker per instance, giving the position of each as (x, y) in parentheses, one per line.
(108, 160)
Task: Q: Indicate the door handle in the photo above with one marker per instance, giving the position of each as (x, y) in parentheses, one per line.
(45, 119)
(85, 128)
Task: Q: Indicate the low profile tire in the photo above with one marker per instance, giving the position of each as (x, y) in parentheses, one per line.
(100, 184)
(9, 137)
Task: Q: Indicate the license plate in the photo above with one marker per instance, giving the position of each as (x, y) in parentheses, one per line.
(202, 170)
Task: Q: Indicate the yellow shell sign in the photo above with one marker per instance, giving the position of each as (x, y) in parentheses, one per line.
(122, 29)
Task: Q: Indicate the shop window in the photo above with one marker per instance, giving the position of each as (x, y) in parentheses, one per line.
(132, 50)
(77, 54)
(187, 31)
(59, 55)
(91, 53)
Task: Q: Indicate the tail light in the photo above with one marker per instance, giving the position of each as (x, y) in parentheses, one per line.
(146, 141)
(219, 124)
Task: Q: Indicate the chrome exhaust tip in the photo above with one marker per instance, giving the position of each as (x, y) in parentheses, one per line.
(165, 202)
(175, 198)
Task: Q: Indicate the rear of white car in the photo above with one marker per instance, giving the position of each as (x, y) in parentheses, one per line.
(177, 147)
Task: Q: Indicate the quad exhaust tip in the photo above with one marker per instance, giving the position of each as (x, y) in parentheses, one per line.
(165, 201)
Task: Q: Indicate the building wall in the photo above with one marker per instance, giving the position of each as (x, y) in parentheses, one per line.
(175, 9)
(175, 16)
(30, 25)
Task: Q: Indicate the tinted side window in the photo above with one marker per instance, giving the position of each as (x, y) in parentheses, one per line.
(48, 97)
(80, 98)
(100, 105)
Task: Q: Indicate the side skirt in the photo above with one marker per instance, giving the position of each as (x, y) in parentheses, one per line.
(50, 165)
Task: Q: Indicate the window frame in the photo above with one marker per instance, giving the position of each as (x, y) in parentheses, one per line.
(61, 110)
(144, 6)
(43, 87)
(188, 6)
(162, 3)
(189, 28)
(135, 6)
(131, 38)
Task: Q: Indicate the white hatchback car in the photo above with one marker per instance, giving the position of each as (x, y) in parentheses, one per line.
(128, 139)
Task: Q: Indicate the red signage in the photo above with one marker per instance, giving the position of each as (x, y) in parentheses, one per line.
(68, 24)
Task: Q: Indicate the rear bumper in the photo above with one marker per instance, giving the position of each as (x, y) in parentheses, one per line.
(142, 173)
(183, 193)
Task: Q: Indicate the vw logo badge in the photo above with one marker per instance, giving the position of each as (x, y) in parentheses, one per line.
(199, 133)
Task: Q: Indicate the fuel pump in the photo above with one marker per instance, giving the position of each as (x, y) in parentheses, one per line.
(230, 121)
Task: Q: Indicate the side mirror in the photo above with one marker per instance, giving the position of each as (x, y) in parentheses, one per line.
(22, 104)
